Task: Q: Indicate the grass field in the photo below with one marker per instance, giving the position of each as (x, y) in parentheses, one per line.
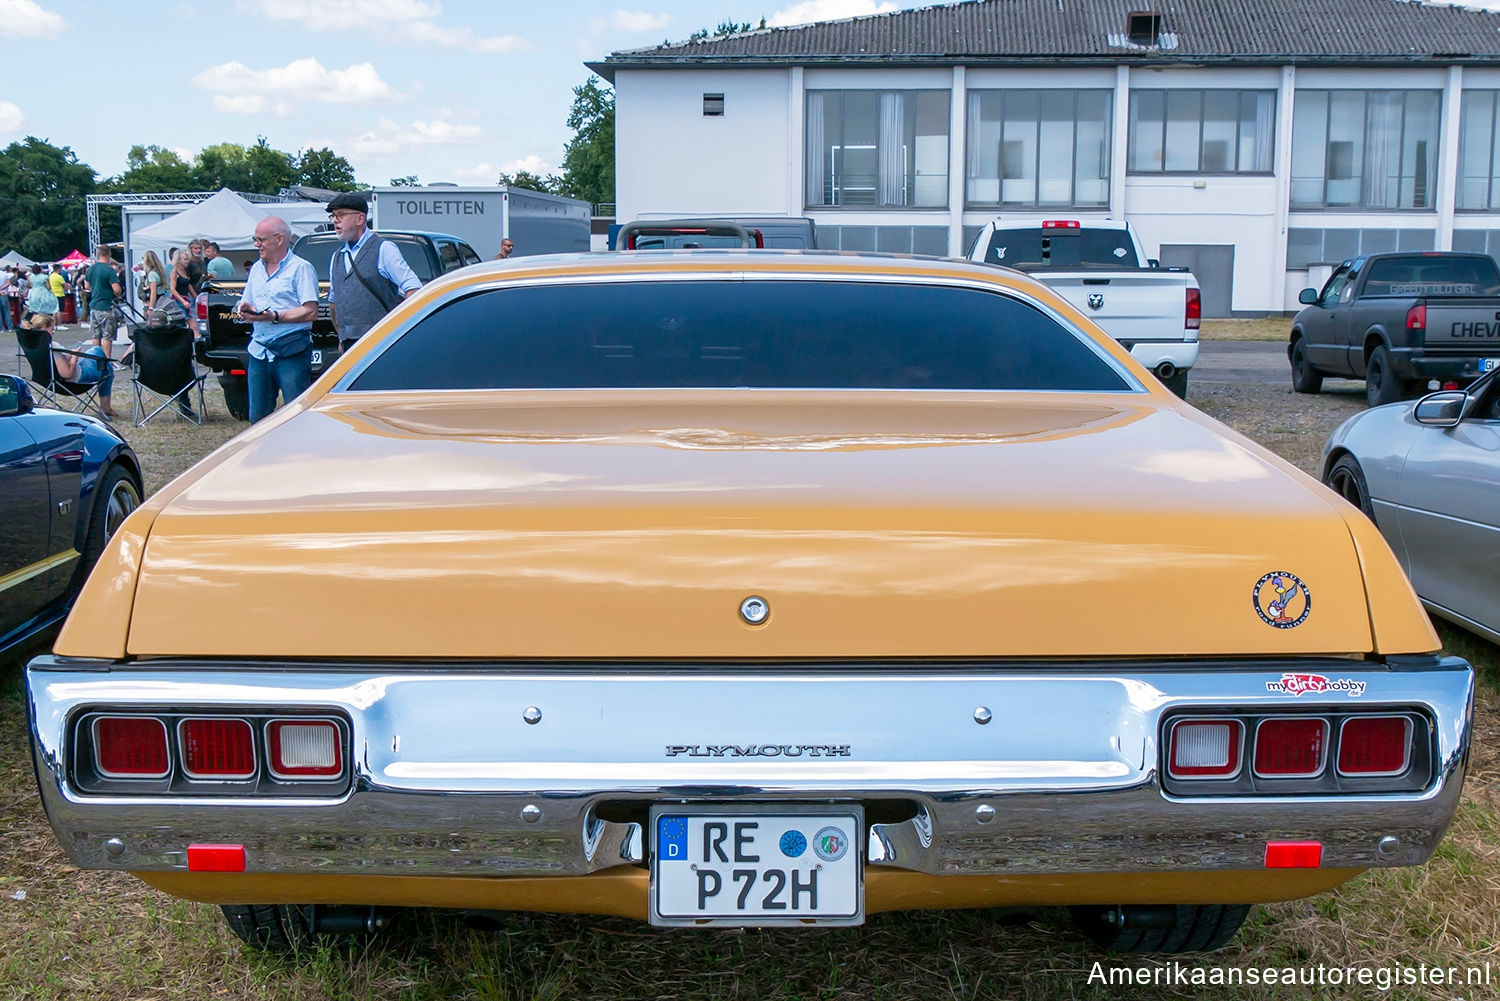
(71, 934)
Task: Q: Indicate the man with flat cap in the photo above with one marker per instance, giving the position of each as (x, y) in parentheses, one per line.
(367, 275)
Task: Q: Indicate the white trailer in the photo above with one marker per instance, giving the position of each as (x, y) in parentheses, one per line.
(482, 215)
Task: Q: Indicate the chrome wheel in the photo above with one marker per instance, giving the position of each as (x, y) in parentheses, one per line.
(122, 500)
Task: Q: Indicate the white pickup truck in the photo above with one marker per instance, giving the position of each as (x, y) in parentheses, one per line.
(1101, 268)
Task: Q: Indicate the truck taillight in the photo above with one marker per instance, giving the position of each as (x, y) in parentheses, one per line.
(202, 304)
(1060, 224)
(1416, 317)
(1206, 748)
(1192, 317)
(131, 747)
(304, 749)
(217, 748)
(1291, 747)
(1375, 745)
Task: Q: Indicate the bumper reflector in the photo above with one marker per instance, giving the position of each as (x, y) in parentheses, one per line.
(1294, 854)
(216, 858)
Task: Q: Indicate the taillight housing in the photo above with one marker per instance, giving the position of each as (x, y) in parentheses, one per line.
(1060, 224)
(217, 748)
(202, 303)
(1375, 746)
(1416, 317)
(298, 748)
(1291, 747)
(1192, 316)
(131, 747)
(1205, 748)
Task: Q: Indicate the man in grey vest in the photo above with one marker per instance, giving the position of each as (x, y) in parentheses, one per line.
(367, 275)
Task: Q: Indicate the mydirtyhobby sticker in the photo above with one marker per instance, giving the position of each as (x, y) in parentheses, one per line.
(1282, 600)
(1293, 683)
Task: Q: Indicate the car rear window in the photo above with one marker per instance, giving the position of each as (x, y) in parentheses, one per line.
(1437, 276)
(739, 334)
(1034, 247)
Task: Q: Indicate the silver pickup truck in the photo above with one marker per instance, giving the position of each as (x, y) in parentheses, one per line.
(1102, 269)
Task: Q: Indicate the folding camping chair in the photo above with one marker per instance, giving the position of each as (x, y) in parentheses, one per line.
(166, 372)
(52, 389)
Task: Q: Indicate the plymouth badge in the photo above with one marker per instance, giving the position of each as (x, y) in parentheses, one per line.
(1282, 600)
(1096, 300)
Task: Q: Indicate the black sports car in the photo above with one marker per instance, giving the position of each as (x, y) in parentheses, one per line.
(67, 481)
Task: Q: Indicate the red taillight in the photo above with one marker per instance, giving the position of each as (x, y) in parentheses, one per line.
(1192, 317)
(1060, 224)
(304, 749)
(1416, 317)
(236, 371)
(1293, 747)
(133, 747)
(1205, 749)
(1375, 745)
(202, 303)
(217, 748)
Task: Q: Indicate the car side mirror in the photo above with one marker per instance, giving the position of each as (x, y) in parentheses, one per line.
(1307, 296)
(1442, 409)
(15, 396)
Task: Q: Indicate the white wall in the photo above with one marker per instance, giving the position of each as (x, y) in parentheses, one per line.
(671, 160)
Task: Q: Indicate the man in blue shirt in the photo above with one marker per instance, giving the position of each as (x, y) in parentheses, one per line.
(367, 275)
(281, 300)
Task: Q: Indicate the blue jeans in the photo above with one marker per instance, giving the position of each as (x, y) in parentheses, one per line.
(96, 368)
(5, 320)
(291, 374)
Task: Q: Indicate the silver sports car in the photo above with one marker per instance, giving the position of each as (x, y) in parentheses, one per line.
(1428, 474)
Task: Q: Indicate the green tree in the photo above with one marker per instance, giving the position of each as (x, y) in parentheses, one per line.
(726, 28)
(589, 158)
(42, 190)
(152, 168)
(323, 168)
(258, 168)
(409, 181)
(526, 179)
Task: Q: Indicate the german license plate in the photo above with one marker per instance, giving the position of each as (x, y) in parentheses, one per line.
(756, 865)
(1488, 364)
(317, 357)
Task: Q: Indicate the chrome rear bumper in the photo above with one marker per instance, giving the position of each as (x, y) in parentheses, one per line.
(450, 778)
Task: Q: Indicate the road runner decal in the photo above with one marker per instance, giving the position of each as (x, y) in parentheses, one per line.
(1282, 600)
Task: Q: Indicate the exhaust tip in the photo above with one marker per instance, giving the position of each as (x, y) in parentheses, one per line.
(1165, 371)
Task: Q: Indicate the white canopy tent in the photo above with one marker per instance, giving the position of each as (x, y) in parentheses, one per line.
(16, 257)
(226, 219)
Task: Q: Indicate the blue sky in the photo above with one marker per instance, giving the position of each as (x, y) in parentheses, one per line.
(450, 91)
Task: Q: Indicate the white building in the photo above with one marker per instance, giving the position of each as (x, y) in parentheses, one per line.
(1257, 141)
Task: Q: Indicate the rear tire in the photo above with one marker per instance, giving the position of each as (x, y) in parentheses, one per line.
(1170, 929)
(281, 928)
(1305, 378)
(236, 396)
(115, 497)
(1382, 385)
(1347, 479)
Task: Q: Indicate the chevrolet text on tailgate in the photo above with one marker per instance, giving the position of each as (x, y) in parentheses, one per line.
(1102, 269)
(745, 588)
(1405, 323)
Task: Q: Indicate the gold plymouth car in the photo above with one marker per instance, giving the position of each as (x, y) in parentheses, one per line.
(746, 588)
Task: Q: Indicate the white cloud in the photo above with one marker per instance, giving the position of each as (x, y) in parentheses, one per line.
(532, 164)
(12, 118)
(480, 173)
(390, 138)
(408, 20)
(300, 80)
(639, 20)
(809, 11)
(26, 19)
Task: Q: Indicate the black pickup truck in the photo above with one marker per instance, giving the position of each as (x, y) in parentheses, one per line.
(1401, 322)
(223, 339)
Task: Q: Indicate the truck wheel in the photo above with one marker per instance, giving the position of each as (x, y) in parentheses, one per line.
(1382, 385)
(271, 927)
(1305, 378)
(1161, 927)
(236, 396)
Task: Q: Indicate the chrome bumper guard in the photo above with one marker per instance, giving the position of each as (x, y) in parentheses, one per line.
(541, 772)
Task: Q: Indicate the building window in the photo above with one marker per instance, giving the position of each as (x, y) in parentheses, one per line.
(1036, 148)
(1478, 153)
(1202, 131)
(713, 105)
(1366, 149)
(877, 148)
